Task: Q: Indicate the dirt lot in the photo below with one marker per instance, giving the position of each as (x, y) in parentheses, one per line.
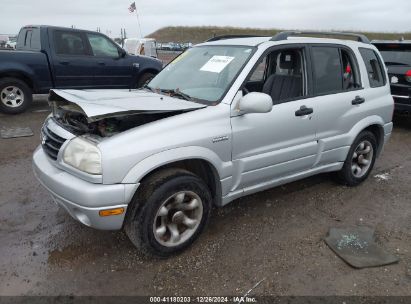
(275, 236)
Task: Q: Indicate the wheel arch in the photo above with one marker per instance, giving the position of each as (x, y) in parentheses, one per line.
(200, 167)
(20, 76)
(378, 132)
(148, 70)
(200, 161)
(374, 124)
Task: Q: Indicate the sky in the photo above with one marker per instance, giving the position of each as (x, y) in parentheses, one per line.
(112, 15)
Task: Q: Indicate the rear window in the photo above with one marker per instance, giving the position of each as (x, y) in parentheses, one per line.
(69, 43)
(374, 67)
(395, 54)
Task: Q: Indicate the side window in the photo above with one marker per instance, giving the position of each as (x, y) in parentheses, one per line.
(35, 39)
(258, 74)
(69, 43)
(374, 67)
(101, 46)
(328, 76)
(21, 38)
(351, 75)
(284, 72)
(27, 40)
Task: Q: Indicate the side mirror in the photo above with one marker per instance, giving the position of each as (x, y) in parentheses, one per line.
(122, 53)
(255, 102)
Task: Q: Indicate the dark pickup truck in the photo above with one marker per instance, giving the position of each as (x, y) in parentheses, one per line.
(49, 57)
(397, 58)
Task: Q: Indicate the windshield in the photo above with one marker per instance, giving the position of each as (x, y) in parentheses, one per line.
(202, 74)
(396, 54)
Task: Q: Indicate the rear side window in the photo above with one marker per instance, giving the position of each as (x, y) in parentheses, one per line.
(351, 75)
(328, 71)
(21, 39)
(29, 39)
(69, 43)
(374, 67)
(35, 39)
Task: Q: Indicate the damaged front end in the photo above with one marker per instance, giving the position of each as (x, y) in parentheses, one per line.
(71, 118)
(105, 113)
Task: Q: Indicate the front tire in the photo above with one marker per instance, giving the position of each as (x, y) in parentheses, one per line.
(169, 213)
(15, 96)
(360, 160)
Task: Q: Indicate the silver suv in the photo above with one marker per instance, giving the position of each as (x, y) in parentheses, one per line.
(227, 118)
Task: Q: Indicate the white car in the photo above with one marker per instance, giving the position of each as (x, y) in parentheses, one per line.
(225, 119)
(11, 43)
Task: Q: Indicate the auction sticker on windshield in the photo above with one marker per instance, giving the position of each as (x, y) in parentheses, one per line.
(216, 64)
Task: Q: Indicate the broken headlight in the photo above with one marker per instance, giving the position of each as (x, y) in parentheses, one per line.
(83, 155)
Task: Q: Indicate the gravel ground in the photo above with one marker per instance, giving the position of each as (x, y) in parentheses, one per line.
(275, 236)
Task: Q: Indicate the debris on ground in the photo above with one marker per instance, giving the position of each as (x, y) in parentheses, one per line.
(16, 132)
(357, 247)
(383, 176)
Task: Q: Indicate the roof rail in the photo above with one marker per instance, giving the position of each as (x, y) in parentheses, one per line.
(223, 37)
(284, 35)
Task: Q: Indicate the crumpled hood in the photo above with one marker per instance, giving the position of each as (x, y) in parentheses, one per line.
(98, 104)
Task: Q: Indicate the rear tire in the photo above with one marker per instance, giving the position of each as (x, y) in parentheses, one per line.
(360, 160)
(15, 96)
(168, 213)
(145, 78)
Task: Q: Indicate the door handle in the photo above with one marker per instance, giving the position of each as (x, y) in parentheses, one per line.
(358, 100)
(101, 63)
(64, 62)
(304, 111)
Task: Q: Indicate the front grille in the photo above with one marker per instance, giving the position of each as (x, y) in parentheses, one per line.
(51, 142)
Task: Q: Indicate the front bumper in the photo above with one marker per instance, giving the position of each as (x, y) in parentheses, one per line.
(81, 199)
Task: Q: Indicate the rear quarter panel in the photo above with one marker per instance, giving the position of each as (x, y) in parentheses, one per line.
(30, 64)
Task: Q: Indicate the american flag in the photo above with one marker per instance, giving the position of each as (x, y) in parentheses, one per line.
(132, 7)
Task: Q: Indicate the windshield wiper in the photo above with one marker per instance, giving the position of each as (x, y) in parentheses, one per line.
(177, 93)
(148, 88)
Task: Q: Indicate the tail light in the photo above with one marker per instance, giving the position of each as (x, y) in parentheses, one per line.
(408, 76)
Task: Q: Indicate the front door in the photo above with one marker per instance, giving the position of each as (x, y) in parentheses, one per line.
(111, 69)
(268, 146)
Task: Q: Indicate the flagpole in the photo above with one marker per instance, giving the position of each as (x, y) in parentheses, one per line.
(139, 25)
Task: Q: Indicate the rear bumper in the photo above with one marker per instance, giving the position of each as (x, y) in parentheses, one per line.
(81, 199)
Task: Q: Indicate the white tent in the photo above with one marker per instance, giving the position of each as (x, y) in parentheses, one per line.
(143, 46)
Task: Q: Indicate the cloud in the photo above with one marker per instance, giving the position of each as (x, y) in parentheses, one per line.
(111, 15)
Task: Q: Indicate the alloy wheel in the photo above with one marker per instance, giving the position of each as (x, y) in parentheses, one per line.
(362, 159)
(12, 96)
(178, 218)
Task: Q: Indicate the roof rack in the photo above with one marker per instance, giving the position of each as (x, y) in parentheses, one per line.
(284, 35)
(223, 37)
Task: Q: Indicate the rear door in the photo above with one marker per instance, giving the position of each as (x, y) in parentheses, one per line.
(72, 61)
(341, 99)
(111, 69)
